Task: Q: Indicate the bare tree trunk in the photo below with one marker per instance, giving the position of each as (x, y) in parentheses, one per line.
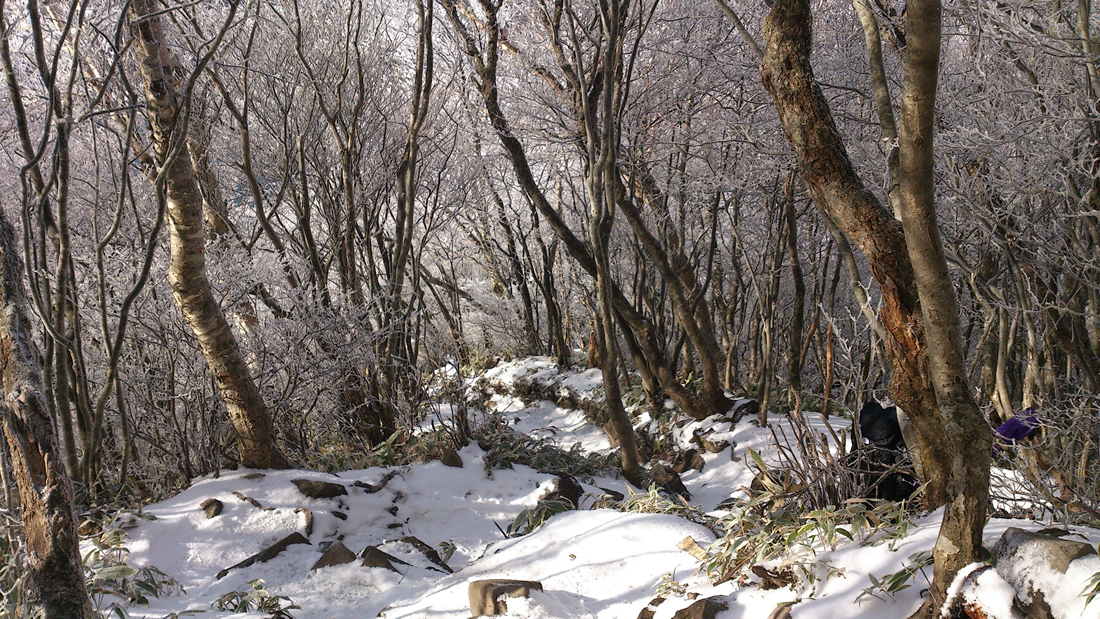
(603, 187)
(965, 432)
(925, 381)
(485, 65)
(798, 311)
(167, 101)
(45, 491)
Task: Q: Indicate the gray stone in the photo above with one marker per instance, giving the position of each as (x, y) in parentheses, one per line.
(706, 608)
(451, 458)
(335, 554)
(1019, 552)
(212, 507)
(319, 489)
(485, 594)
(253, 476)
(1058, 553)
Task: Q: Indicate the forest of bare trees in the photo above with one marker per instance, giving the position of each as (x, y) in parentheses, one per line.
(258, 231)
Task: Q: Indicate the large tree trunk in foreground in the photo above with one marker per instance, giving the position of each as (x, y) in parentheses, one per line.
(966, 434)
(45, 492)
(161, 73)
(953, 442)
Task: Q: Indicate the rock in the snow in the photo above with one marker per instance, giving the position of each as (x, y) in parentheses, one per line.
(649, 611)
(373, 557)
(268, 553)
(1017, 544)
(336, 554)
(253, 476)
(567, 489)
(212, 507)
(702, 439)
(783, 611)
(669, 480)
(431, 553)
(706, 608)
(1028, 562)
(485, 595)
(319, 489)
(451, 458)
(689, 460)
(982, 593)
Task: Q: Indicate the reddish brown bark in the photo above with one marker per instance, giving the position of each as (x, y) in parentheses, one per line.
(45, 491)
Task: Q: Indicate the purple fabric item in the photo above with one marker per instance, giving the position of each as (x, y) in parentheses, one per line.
(1018, 427)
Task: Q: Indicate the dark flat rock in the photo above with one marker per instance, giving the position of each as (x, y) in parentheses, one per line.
(319, 489)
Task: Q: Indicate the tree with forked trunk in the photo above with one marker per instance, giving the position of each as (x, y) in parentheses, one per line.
(920, 312)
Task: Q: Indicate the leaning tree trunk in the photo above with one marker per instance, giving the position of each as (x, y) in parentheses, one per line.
(45, 492)
(920, 346)
(166, 100)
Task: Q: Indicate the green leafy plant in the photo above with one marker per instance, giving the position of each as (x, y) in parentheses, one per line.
(446, 550)
(506, 449)
(256, 598)
(530, 519)
(652, 502)
(1092, 588)
(780, 522)
(890, 584)
(113, 584)
(668, 586)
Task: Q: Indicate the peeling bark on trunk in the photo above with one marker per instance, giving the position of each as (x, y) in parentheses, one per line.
(925, 381)
(166, 105)
(45, 491)
(837, 190)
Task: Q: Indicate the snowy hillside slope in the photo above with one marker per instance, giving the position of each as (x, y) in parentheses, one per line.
(592, 562)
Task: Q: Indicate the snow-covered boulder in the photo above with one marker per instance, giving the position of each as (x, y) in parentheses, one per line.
(1045, 571)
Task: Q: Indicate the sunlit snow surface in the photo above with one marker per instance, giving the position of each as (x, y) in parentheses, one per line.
(592, 563)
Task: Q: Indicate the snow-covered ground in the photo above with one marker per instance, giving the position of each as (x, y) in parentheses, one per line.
(591, 562)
